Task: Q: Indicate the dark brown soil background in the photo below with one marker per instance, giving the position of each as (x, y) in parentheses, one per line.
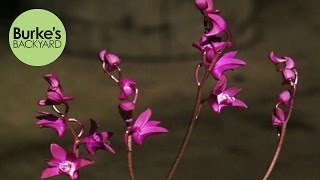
(154, 40)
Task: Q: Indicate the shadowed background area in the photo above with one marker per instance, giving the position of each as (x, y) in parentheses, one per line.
(154, 39)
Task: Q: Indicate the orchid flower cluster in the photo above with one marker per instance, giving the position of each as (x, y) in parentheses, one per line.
(285, 98)
(142, 127)
(285, 102)
(64, 163)
(216, 62)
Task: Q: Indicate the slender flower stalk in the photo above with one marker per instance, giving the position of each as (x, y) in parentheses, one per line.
(108, 67)
(216, 63)
(195, 115)
(140, 129)
(281, 138)
(286, 99)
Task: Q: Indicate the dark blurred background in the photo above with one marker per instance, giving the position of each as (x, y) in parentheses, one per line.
(154, 40)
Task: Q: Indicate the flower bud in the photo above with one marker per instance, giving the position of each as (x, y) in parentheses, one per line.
(110, 59)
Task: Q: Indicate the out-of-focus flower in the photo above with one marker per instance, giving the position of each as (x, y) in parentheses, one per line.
(218, 25)
(211, 45)
(112, 60)
(205, 5)
(128, 87)
(227, 62)
(55, 94)
(47, 120)
(222, 97)
(289, 72)
(64, 164)
(278, 117)
(285, 97)
(144, 128)
(127, 106)
(97, 140)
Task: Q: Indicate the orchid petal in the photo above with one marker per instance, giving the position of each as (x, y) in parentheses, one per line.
(276, 122)
(153, 130)
(288, 74)
(50, 172)
(280, 114)
(285, 97)
(230, 54)
(82, 162)
(239, 103)
(214, 105)
(58, 152)
(53, 80)
(137, 138)
(275, 59)
(201, 4)
(220, 86)
(54, 96)
(102, 55)
(225, 64)
(143, 118)
(153, 123)
(232, 91)
(127, 106)
(219, 25)
(289, 63)
(58, 125)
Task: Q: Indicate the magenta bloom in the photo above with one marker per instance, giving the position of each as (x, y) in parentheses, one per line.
(218, 25)
(210, 45)
(205, 5)
(47, 120)
(144, 128)
(222, 97)
(97, 140)
(64, 164)
(227, 62)
(127, 106)
(285, 97)
(110, 59)
(55, 94)
(278, 117)
(128, 87)
(289, 72)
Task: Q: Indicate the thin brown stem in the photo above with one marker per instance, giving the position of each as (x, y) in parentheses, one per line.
(64, 115)
(281, 138)
(80, 125)
(196, 112)
(197, 107)
(127, 121)
(130, 161)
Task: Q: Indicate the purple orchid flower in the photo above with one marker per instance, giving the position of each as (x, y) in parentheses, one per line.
(112, 60)
(47, 120)
(278, 117)
(144, 128)
(285, 97)
(211, 45)
(55, 94)
(289, 72)
(218, 25)
(205, 5)
(127, 106)
(222, 97)
(225, 63)
(97, 140)
(128, 87)
(64, 164)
